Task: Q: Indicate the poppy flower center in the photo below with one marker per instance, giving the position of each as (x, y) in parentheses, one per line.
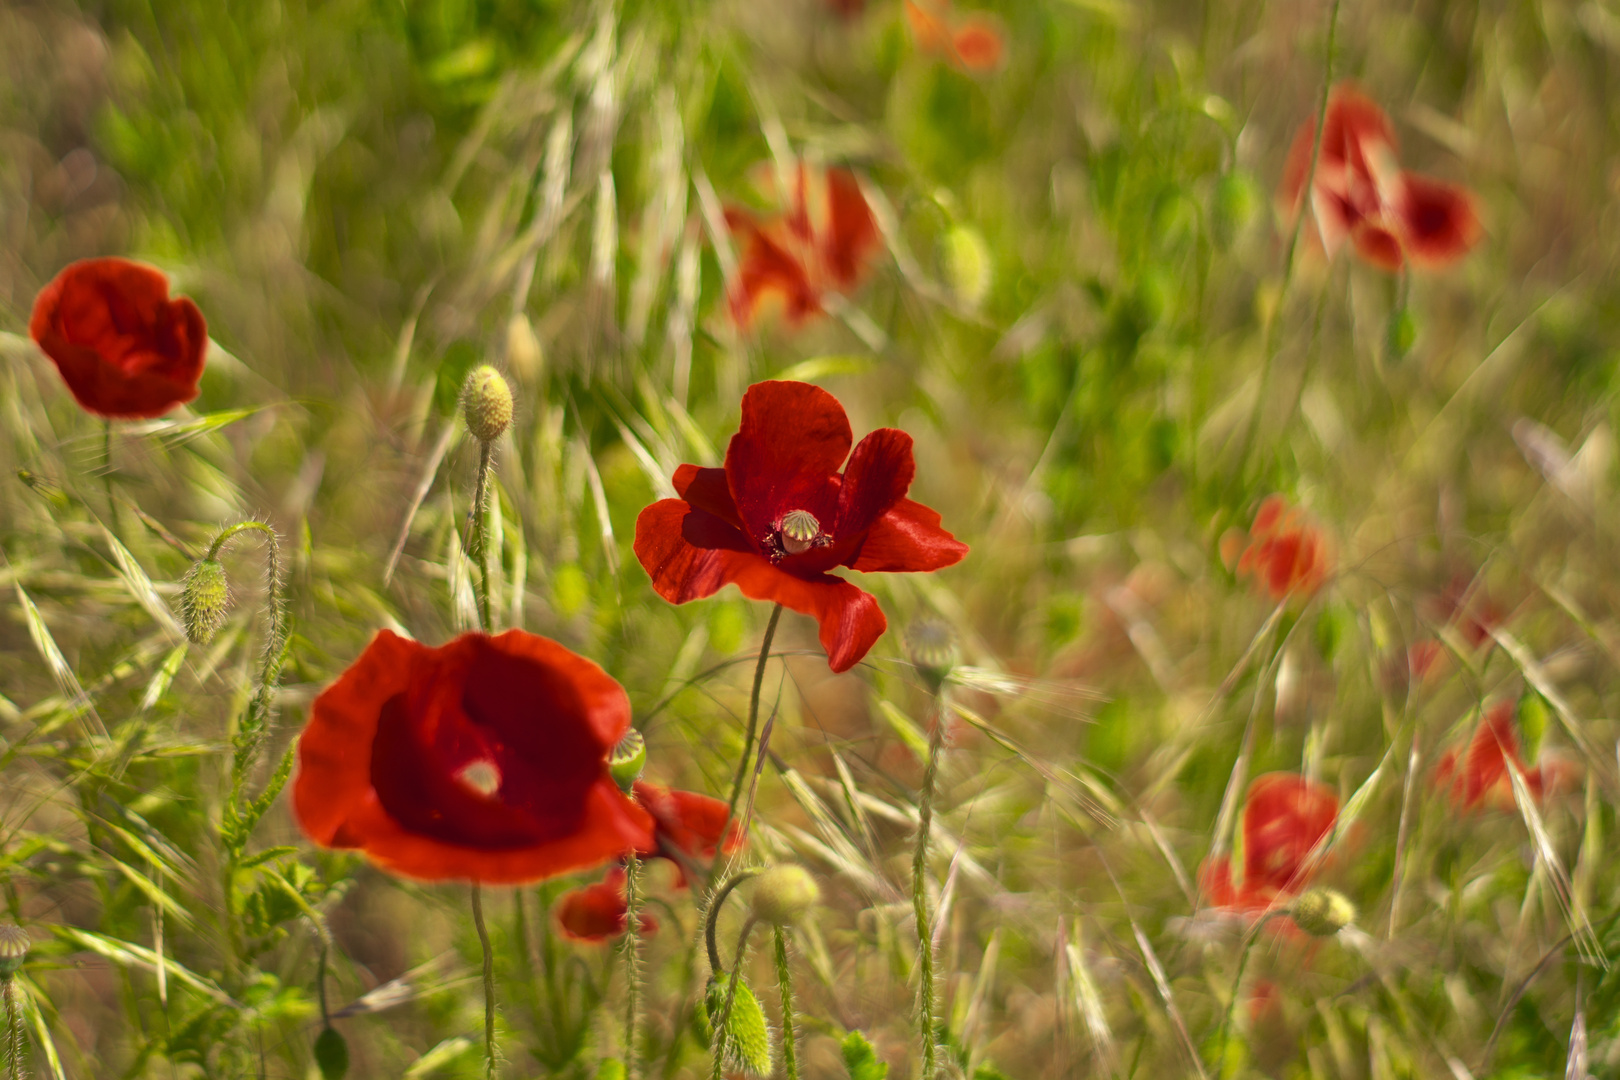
(481, 776)
(798, 532)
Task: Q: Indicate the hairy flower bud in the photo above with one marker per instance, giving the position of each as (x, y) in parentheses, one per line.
(14, 945)
(205, 601)
(931, 644)
(486, 403)
(784, 895)
(627, 760)
(747, 1035)
(1322, 912)
(331, 1054)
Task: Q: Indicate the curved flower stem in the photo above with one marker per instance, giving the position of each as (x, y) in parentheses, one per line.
(632, 964)
(784, 982)
(919, 893)
(720, 1026)
(489, 979)
(275, 643)
(478, 543)
(712, 920)
(753, 714)
(1237, 987)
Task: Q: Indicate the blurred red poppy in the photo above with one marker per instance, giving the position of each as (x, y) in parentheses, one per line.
(484, 759)
(600, 911)
(1286, 553)
(124, 348)
(971, 42)
(1360, 193)
(1482, 780)
(1283, 820)
(820, 245)
(780, 515)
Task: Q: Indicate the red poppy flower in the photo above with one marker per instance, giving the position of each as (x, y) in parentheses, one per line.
(779, 516)
(1482, 779)
(1286, 553)
(820, 245)
(484, 759)
(1361, 194)
(1283, 820)
(123, 347)
(600, 911)
(971, 42)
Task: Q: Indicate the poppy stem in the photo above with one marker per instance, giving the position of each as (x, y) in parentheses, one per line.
(258, 715)
(489, 979)
(632, 964)
(478, 545)
(712, 921)
(919, 893)
(106, 472)
(784, 981)
(14, 1039)
(753, 715)
(1237, 986)
(720, 1033)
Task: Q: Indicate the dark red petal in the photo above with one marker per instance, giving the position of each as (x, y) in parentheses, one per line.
(908, 539)
(1284, 818)
(852, 233)
(879, 475)
(123, 347)
(594, 914)
(1377, 246)
(707, 490)
(689, 554)
(688, 825)
(851, 621)
(1438, 221)
(766, 269)
(978, 44)
(786, 454)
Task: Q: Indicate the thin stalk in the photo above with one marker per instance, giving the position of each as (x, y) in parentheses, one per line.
(919, 895)
(712, 921)
(1237, 986)
(478, 544)
(784, 981)
(632, 964)
(720, 1033)
(106, 473)
(14, 1039)
(753, 714)
(489, 979)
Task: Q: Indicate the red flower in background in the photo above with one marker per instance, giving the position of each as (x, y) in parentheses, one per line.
(1360, 193)
(822, 244)
(483, 760)
(971, 42)
(1286, 553)
(123, 347)
(686, 828)
(1481, 777)
(780, 515)
(1283, 820)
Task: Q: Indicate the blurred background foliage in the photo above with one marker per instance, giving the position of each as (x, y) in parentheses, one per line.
(1072, 315)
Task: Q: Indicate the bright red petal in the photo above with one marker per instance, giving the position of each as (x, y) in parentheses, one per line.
(767, 269)
(908, 539)
(1438, 221)
(852, 233)
(688, 553)
(786, 454)
(688, 825)
(851, 621)
(1284, 818)
(706, 489)
(978, 44)
(600, 911)
(879, 475)
(1378, 246)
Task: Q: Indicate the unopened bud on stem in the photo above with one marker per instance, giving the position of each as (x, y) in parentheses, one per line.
(205, 600)
(486, 403)
(931, 644)
(784, 895)
(1323, 912)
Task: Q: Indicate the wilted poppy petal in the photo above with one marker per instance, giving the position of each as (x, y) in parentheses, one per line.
(851, 234)
(879, 475)
(1438, 221)
(707, 489)
(688, 553)
(978, 44)
(908, 539)
(786, 454)
(123, 347)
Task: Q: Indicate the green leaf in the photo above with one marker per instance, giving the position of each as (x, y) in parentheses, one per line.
(861, 1060)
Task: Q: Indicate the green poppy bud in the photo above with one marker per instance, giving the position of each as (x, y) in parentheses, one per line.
(205, 601)
(784, 895)
(747, 1035)
(1322, 912)
(627, 760)
(486, 403)
(932, 645)
(331, 1054)
(14, 944)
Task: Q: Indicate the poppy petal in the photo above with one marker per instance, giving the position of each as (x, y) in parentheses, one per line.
(689, 553)
(1356, 129)
(978, 44)
(706, 489)
(1378, 246)
(767, 269)
(932, 35)
(1438, 221)
(879, 475)
(908, 538)
(786, 454)
(850, 619)
(1284, 818)
(852, 234)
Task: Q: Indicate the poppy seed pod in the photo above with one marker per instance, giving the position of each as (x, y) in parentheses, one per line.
(205, 600)
(14, 944)
(784, 895)
(627, 760)
(1323, 912)
(486, 403)
(931, 644)
(331, 1054)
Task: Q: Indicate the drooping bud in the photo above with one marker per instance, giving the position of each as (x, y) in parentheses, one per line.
(627, 760)
(205, 600)
(747, 1035)
(14, 945)
(486, 403)
(784, 895)
(1323, 912)
(799, 531)
(331, 1054)
(931, 644)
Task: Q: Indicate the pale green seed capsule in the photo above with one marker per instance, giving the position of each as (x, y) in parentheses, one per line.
(931, 644)
(784, 895)
(627, 760)
(205, 601)
(1323, 912)
(14, 945)
(486, 403)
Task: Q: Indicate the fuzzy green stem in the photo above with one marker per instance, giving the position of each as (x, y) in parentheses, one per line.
(720, 1028)
(712, 921)
(14, 1039)
(478, 544)
(632, 964)
(489, 979)
(753, 714)
(784, 982)
(1237, 987)
(919, 895)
